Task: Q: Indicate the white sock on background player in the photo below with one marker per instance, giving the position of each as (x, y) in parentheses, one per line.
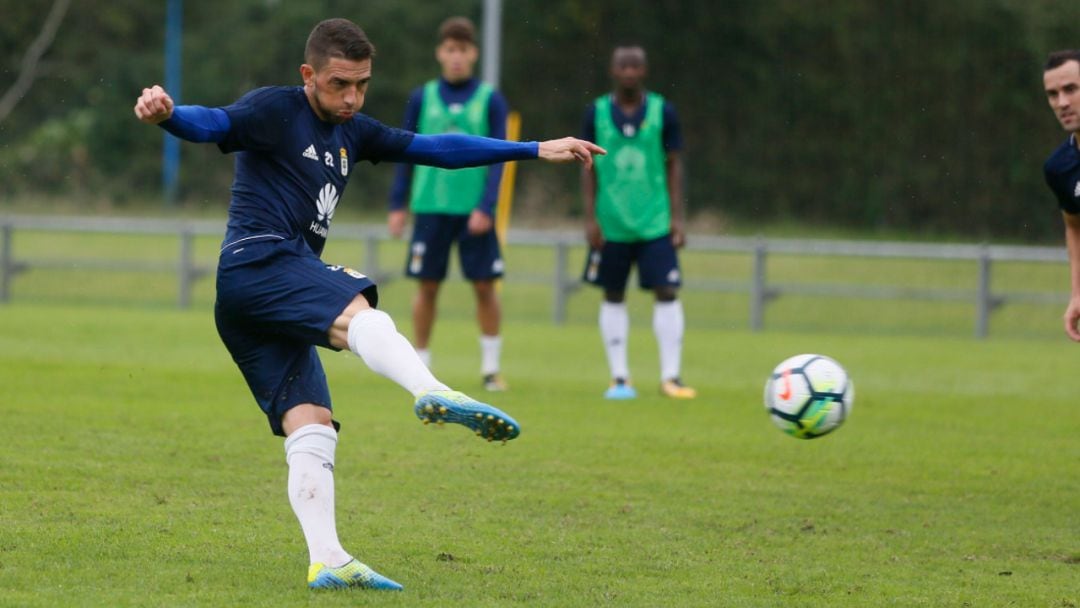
(615, 331)
(669, 326)
(374, 337)
(490, 354)
(310, 454)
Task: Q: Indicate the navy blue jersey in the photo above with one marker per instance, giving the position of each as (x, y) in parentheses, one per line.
(1062, 172)
(292, 167)
(630, 125)
(453, 93)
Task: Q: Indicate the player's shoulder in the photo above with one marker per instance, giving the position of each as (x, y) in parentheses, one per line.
(1064, 159)
(274, 95)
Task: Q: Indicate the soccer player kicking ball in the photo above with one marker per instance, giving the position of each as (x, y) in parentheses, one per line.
(277, 300)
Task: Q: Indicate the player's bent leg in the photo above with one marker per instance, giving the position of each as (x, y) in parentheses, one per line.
(353, 574)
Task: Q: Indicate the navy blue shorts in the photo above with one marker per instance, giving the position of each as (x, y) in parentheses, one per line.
(657, 264)
(429, 251)
(276, 301)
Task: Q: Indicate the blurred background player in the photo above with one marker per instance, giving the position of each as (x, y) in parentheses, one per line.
(296, 147)
(454, 206)
(634, 215)
(1061, 79)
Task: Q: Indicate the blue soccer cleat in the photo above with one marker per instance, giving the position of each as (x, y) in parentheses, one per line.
(620, 390)
(352, 574)
(451, 406)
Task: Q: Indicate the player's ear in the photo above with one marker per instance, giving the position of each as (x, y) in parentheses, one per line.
(307, 73)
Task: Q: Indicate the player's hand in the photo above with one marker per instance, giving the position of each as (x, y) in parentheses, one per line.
(593, 235)
(154, 105)
(1072, 316)
(480, 222)
(678, 235)
(569, 149)
(395, 222)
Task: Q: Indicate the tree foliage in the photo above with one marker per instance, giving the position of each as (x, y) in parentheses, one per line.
(905, 114)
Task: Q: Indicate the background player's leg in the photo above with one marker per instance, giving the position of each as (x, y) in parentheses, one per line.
(489, 317)
(669, 325)
(615, 331)
(424, 310)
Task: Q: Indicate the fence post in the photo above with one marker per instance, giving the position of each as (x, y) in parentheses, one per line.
(984, 302)
(7, 265)
(758, 290)
(559, 303)
(187, 267)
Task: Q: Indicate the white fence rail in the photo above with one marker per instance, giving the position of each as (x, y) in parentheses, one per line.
(565, 280)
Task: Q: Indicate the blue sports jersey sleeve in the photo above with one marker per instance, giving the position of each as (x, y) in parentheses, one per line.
(588, 123)
(456, 151)
(672, 131)
(497, 113)
(198, 123)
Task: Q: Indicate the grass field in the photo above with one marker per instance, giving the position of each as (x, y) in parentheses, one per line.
(136, 471)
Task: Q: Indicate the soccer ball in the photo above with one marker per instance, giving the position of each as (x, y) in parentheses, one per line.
(808, 396)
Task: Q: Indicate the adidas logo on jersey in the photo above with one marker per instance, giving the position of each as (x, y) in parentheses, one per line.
(1076, 190)
(311, 153)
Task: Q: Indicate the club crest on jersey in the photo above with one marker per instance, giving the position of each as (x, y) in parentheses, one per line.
(1076, 190)
(344, 163)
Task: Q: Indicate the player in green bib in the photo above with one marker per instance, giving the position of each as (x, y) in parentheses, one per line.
(633, 216)
(455, 206)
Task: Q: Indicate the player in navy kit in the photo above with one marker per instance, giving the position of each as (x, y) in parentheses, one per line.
(276, 299)
(1061, 78)
(453, 207)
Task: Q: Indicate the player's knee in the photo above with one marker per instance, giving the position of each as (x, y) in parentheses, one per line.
(667, 294)
(364, 323)
(614, 297)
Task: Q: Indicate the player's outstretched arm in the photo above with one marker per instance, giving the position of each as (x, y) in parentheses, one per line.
(569, 149)
(154, 105)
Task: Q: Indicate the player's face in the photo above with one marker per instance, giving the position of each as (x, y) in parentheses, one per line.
(1063, 92)
(628, 72)
(457, 59)
(336, 91)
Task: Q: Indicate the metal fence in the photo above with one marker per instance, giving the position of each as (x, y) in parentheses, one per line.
(565, 281)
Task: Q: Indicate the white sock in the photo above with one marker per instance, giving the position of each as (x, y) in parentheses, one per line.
(425, 356)
(490, 352)
(309, 450)
(615, 330)
(669, 325)
(374, 337)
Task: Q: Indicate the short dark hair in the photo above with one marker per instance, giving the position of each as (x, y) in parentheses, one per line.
(1059, 58)
(461, 29)
(635, 50)
(339, 38)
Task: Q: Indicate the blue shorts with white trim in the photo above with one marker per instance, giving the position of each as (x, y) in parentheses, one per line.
(276, 301)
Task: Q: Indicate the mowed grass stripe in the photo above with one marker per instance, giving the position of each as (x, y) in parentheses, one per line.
(138, 471)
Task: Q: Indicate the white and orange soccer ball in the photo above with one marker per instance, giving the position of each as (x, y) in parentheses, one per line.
(808, 396)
